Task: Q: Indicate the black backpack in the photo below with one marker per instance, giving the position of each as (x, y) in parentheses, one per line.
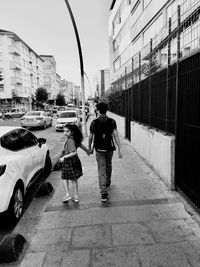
(103, 140)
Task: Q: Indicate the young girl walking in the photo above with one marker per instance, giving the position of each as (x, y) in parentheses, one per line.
(71, 164)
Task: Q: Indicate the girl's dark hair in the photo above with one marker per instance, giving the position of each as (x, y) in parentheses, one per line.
(76, 132)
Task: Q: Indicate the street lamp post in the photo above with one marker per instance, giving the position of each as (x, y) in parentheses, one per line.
(84, 128)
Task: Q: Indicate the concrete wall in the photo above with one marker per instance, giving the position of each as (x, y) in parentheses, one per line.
(120, 123)
(155, 147)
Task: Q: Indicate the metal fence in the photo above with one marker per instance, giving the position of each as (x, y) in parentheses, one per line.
(146, 90)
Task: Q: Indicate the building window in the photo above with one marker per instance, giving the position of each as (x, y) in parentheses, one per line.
(116, 64)
(1, 87)
(136, 12)
(125, 56)
(136, 46)
(154, 29)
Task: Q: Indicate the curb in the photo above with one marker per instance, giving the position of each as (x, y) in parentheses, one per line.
(11, 248)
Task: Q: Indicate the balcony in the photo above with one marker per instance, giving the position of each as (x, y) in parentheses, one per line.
(13, 49)
(15, 65)
(16, 80)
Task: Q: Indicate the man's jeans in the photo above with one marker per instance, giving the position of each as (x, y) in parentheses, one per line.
(104, 163)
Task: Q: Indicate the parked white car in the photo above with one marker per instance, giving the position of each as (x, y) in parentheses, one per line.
(22, 158)
(67, 117)
(36, 119)
(17, 112)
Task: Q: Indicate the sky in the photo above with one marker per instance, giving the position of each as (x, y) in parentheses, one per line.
(45, 25)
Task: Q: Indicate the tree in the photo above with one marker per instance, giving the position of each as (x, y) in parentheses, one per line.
(60, 100)
(41, 96)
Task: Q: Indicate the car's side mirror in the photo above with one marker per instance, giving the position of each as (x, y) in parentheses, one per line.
(41, 141)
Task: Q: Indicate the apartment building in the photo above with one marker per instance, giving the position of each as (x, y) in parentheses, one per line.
(49, 77)
(147, 35)
(101, 82)
(21, 68)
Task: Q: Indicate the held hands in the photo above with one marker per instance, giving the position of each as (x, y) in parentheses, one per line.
(61, 159)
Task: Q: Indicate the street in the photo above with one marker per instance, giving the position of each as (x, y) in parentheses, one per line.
(53, 139)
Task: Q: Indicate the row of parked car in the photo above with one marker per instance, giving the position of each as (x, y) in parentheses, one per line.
(13, 113)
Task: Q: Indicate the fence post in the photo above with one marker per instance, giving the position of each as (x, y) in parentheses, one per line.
(125, 78)
(132, 70)
(151, 49)
(168, 66)
(139, 84)
(177, 84)
(169, 40)
(139, 66)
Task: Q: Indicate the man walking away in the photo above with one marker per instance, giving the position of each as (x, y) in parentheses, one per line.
(102, 132)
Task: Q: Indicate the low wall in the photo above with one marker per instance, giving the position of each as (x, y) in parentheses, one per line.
(120, 123)
(155, 147)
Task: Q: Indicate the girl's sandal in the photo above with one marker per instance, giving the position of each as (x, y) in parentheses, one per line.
(66, 198)
(75, 199)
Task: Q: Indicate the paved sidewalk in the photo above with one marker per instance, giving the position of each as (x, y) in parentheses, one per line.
(142, 224)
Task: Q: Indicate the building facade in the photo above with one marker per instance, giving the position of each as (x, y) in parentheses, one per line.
(49, 77)
(147, 35)
(101, 82)
(21, 69)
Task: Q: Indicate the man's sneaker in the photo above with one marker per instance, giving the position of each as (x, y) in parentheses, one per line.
(104, 197)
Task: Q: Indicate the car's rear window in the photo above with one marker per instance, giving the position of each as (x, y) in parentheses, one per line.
(67, 115)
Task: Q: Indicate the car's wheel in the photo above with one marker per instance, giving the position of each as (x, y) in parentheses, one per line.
(16, 206)
(48, 164)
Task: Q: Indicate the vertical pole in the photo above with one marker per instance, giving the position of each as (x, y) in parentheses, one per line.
(132, 70)
(125, 78)
(139, 85)
(84, 128)
(151, 65)
(177, 85)
(168, 66)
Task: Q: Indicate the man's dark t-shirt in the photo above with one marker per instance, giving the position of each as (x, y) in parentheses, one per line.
(103, 127)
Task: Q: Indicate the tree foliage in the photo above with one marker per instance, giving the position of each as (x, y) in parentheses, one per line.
(41, 95)
(60, 100)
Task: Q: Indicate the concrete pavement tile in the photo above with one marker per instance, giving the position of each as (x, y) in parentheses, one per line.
(48, 240)
(116, 257)
(131, 234)
(49, 220)
(27, 227)
(173, 211)
(76, 258)
(147, 183)
(75, 218)
(68, 258)
(33, 260)
(194, 226)
(152, 193)
(115, 195)
(141, 213)
(191, 250)
(165, 255)
(109, 215)
(65, 218)
(171, 230)
(91, 236)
